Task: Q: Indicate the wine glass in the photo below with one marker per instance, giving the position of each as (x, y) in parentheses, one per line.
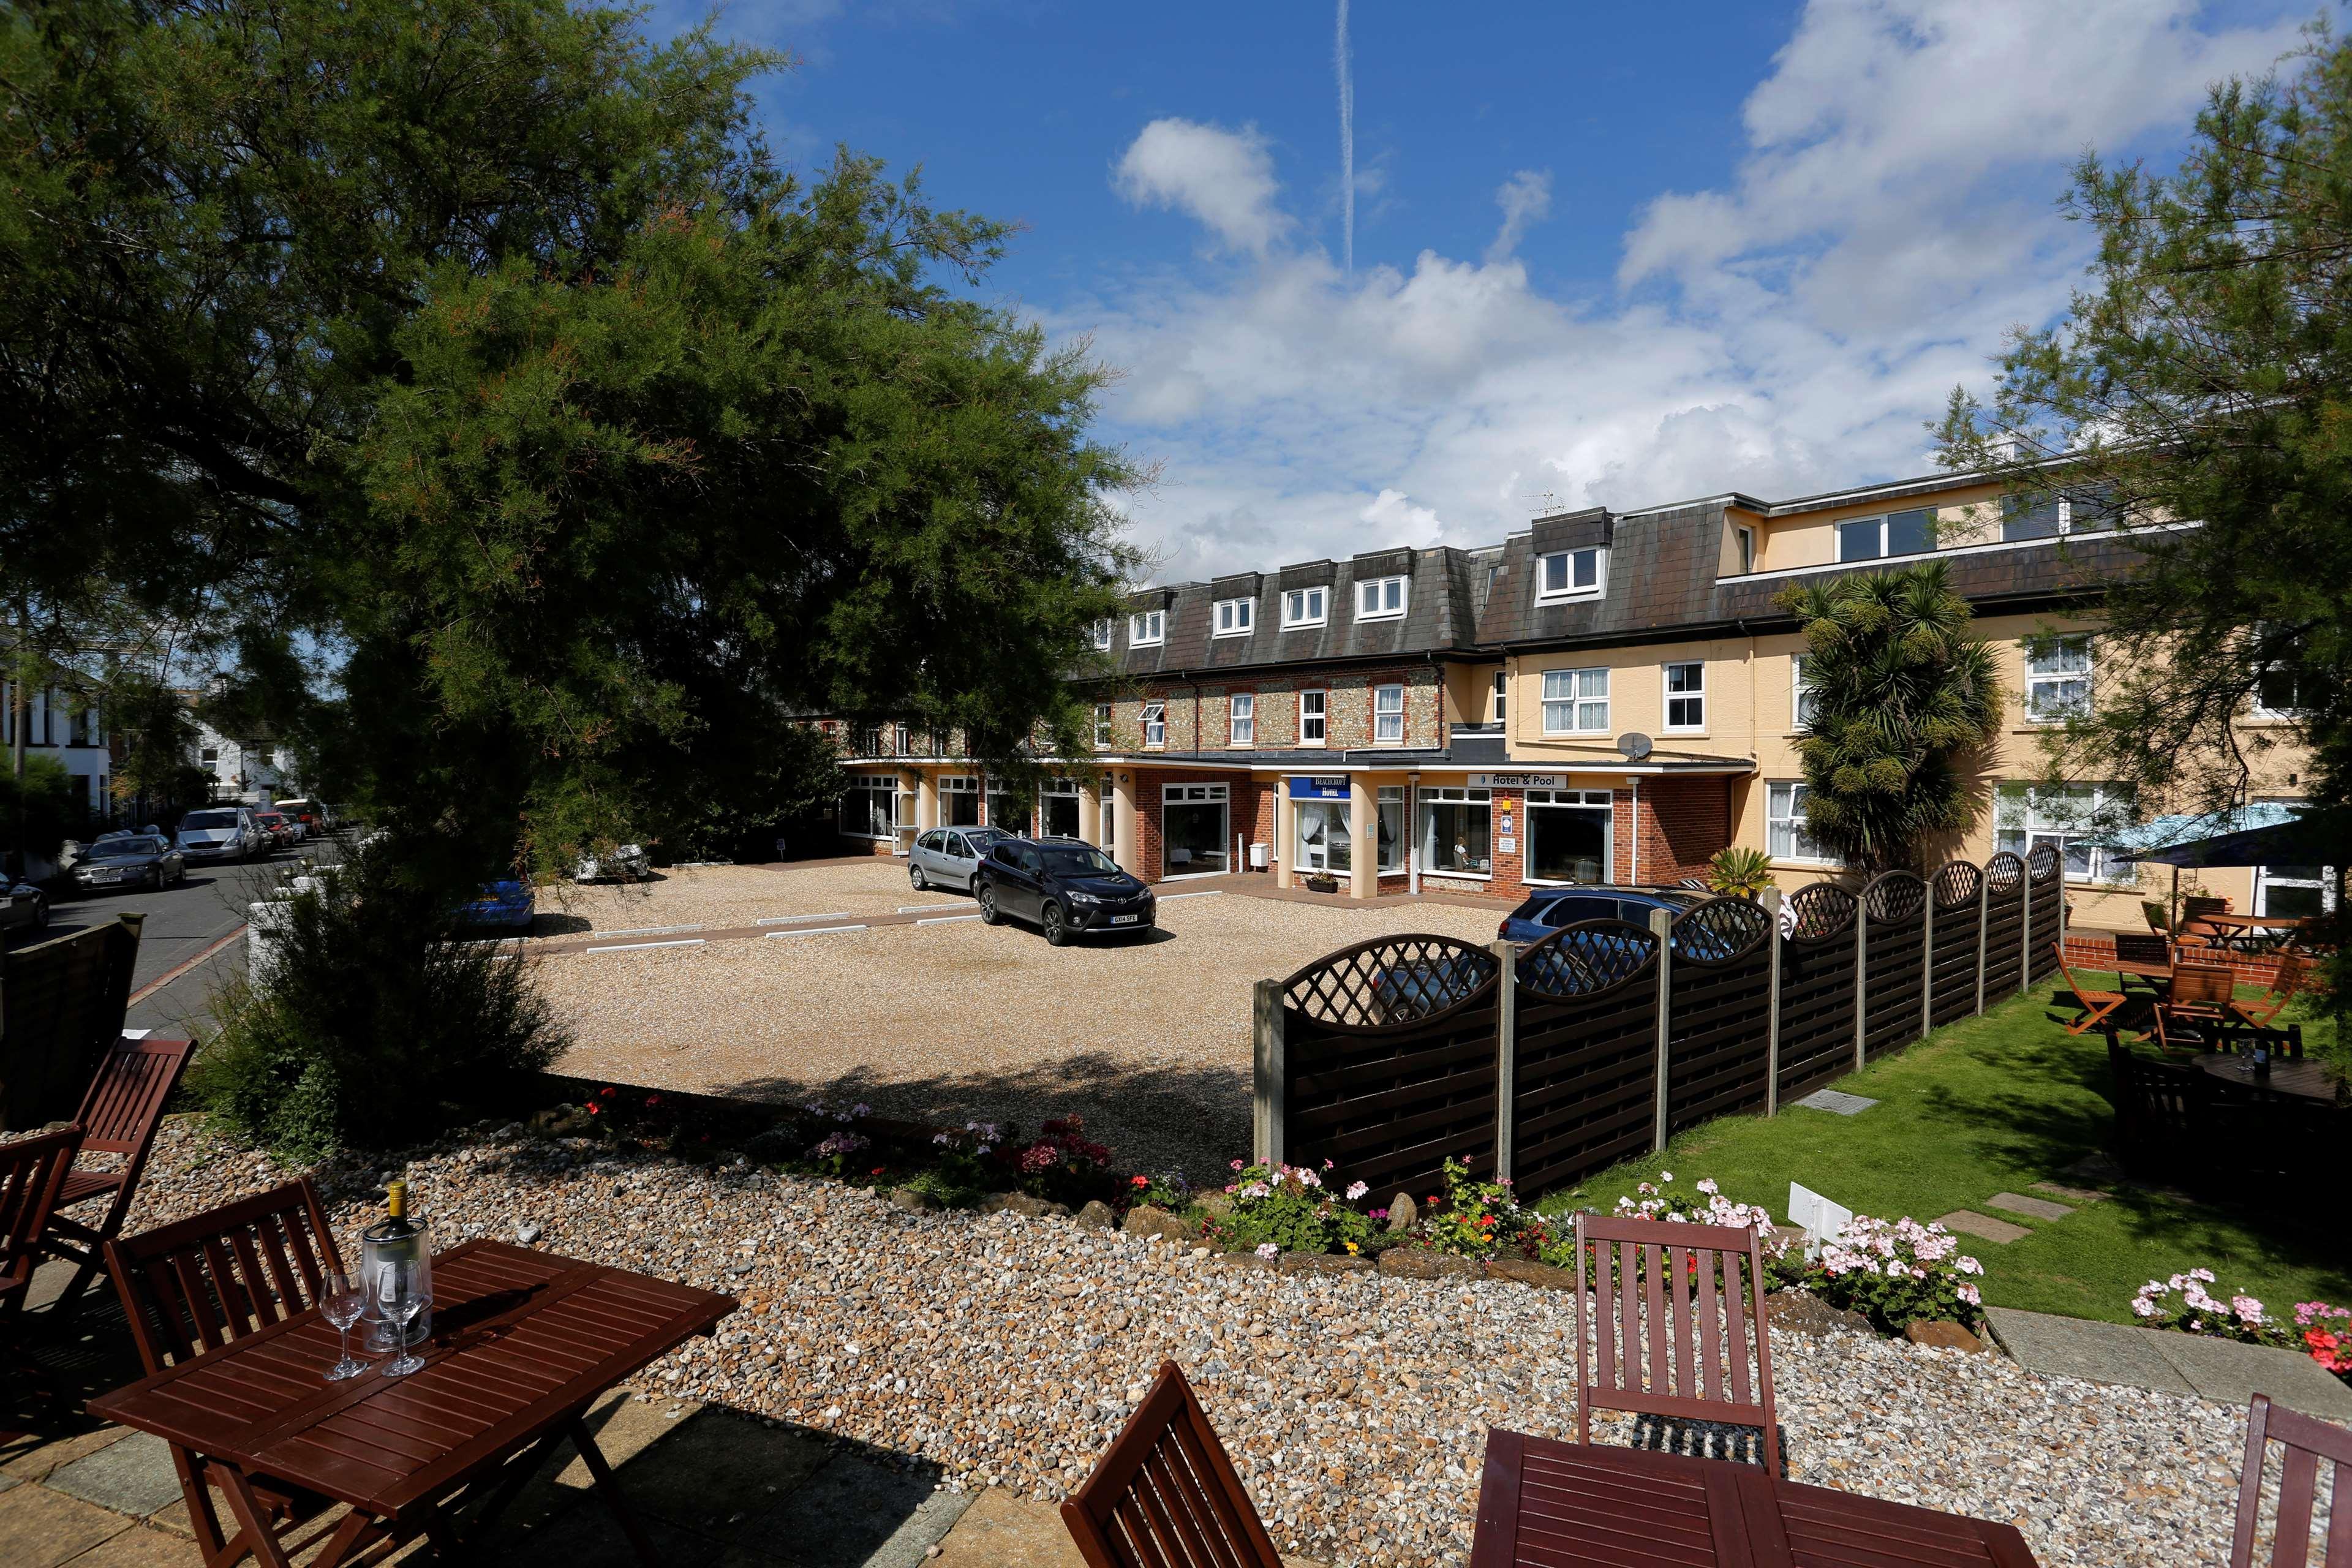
(402, 1302)
(342, 1300)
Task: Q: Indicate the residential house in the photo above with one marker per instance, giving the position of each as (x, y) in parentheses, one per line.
(65, 721)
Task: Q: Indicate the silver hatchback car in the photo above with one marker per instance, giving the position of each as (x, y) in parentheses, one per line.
(947, 857)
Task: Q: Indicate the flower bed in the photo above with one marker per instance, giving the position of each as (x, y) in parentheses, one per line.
(2183, 1304)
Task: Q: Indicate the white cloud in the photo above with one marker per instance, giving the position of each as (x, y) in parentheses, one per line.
(1793, 330)
(1525, 199)
(1224, 178)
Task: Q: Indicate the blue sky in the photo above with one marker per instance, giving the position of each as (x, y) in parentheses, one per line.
(1617, 255)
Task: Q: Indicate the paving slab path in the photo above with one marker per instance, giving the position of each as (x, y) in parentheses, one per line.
(2220, 1370)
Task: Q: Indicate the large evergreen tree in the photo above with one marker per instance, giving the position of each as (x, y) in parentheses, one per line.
(483, 355)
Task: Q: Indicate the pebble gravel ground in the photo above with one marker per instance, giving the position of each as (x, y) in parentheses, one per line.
(722, 896)
(1149, 1039)
(1009, 1351)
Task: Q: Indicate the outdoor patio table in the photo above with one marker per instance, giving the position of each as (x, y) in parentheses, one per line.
(2286, 927)
(1543, 1502)
(2303, 1079)
(522, 1343)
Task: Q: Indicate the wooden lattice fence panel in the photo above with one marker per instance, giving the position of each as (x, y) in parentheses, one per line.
(1720, 1000)
(1587, 1052)
(61, 1008)
(1816, 989)
(2049, 892)
(1389, 1061)
(1953, 963)
(2004, 924)
(1896, 904)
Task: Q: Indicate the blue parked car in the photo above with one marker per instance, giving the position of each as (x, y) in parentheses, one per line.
(509, 904)
(1553, 908)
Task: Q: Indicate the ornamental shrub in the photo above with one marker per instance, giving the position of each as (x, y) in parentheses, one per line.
(1287, 1208)
(1481, 1219)
(1895, 1274)
(1062, 1164)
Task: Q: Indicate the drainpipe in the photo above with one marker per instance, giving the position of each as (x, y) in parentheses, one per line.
(1634, 876)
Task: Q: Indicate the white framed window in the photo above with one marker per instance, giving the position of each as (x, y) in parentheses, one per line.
(1387, 715)
(1306, 607)
(2057, 679)
(1499, 704)
(1311, 715)
(1804, 700)
(1457, 827)
(2276, 693)
(1571, 573)
(1743, 539)
(1102, 723)
(1155, 723)
(1101, 631)
(1576, 702)
(1911, 532)
(1379, 599)
(1389, 801)
(1145, 630)
(1785, 833)
(1687, 696)
(1235, 617)
(1245, 718)
(2066, 818)
(869, 806)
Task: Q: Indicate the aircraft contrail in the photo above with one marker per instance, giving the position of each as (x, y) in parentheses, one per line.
(1344, 68)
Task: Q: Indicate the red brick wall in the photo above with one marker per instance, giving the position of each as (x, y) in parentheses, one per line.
(1148, 818)
(1684, 823)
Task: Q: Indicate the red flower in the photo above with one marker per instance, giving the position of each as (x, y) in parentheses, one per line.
(608, 1092)
(875, 1171)
(1140, 1182)
(594, 1108)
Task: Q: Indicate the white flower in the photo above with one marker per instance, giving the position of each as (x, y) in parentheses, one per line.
(1706, 1184)
(2141, 1305)
(1665, 1175)
(1968, 1294)
(1269, 1250)
(1357, 1191)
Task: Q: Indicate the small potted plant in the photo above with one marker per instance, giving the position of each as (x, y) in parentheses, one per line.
(1322, 882)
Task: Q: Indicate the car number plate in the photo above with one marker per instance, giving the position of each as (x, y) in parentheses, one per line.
(1125, 920)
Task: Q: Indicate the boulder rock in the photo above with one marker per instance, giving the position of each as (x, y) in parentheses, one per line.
(1241, 1260)
(1942, 1335)
(1217, 1203)
(912, 1199)
(1404, 1213)
(1145, 1219)
(1021, 1204)
(564, 1121)
(1806, 1314)
(1325, 1263)
(1414, 1263)
(1098, 1216)
(1527, 1272)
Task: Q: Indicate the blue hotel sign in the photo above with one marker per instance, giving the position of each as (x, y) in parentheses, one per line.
(1325, 786)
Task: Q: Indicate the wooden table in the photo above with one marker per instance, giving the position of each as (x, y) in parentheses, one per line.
(1544, 1503)
(522, 1343)
(2303, 1079)
(2287, 926)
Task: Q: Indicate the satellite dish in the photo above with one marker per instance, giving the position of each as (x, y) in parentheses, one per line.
(1634, 745)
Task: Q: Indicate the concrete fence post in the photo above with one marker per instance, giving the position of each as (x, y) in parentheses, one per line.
(1984, 916)
(1861, 981)
(1506, 1055)
(1927, 962)
(2025, 929)
(1771, 901)
(1661, 926)
(1267, 1075)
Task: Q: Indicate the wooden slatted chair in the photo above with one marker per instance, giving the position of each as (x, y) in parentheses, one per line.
(2198, 1006)
(2293, 972)
(197, 1284)
(119, 1116)
(2097, 1004)
(1165, 1495)
(2308, 1445)
(1689, 1295)
(32, 1171)
(2195, 929)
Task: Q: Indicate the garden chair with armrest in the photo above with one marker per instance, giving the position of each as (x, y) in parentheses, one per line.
(2309, 1444)
(1679, 1292)
(2097, 1005)
(2195, 930)
(1165, 1495)
(2293, 970)
(2196, 1009)
(120, 1115)
(2145, 953)
(32, 1172)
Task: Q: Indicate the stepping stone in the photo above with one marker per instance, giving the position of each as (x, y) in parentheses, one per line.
(1969, 1223)
(2095, 1167)
(1837, 1101)
(2072, 1195)
(2032, 1208)
(2220, 1370)
(134, 1476)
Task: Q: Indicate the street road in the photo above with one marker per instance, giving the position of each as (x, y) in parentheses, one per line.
(184, 925)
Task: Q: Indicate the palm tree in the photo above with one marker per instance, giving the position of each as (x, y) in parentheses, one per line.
(1902, 694)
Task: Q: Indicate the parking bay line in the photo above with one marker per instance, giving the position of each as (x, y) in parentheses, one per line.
(945, 919)
(919, 909)
(795, 919)
(641, 946)
(813, 931)
(1204, 894)
(652, 931)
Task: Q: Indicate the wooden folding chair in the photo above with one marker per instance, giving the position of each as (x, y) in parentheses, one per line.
(1165, 1495)
(2097, 1004)
(1680, 1294)
(2308, 1445)
(32, 1170)
(196, 1285)
(2293, 970)
(120, 1115)
(2195, 929)
(2198, 1006)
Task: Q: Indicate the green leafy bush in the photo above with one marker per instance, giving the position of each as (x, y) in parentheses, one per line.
(1738, 871)
(1286, 1208)
(379, 1025)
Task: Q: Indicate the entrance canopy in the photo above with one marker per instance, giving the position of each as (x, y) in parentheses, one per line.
(2264, 834)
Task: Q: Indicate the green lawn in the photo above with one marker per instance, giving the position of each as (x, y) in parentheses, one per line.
(1991, 1105)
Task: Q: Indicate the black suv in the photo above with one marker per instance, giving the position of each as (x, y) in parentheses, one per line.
(1065, 885)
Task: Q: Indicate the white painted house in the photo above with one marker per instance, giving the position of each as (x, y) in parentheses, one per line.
(67, 724)
(251, 771)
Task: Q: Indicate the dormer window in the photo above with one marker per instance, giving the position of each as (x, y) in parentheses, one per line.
(1306, 607)
(1235, 617)
(1571, 573)
(1101, 631)
(1379, 599)
(1145, 630)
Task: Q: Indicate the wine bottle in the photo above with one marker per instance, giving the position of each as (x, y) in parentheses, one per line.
(393, 1248)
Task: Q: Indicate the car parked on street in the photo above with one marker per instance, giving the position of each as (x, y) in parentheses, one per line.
(950, 857)
(504, 904)
(1065, 885)
(305, 814)
(282, 831)
(133, 860)
(221, 833)
(22, 905)
(626, 863)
